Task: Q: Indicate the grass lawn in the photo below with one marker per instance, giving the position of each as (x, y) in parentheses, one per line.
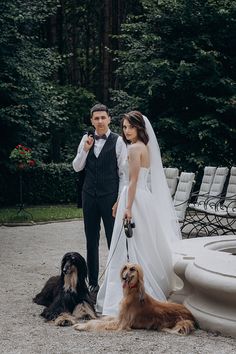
(40, 213)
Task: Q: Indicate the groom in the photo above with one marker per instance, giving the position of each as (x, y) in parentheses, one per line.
(101, 155)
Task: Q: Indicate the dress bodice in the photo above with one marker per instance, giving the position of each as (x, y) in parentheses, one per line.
(143, 177)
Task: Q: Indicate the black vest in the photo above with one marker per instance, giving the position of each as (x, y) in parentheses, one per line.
(101, 173)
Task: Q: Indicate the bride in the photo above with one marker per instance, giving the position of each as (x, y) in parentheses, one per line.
(152, 211)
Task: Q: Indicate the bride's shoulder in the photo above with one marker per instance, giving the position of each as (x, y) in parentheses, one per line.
(138, 146)
(136, 149)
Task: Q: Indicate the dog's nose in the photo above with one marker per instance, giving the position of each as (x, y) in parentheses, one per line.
(125, 276)
(65, 268)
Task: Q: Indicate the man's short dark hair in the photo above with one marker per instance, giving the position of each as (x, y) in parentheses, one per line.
(98, 108)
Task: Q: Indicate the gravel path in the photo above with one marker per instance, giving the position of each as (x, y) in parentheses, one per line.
(29, 255)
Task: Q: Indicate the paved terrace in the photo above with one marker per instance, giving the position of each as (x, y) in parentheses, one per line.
(29, 255)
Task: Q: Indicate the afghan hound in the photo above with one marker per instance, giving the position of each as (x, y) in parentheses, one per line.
(138, 310)
(66, 297)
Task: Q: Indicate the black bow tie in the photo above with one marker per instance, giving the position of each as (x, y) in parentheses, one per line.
(97, 137)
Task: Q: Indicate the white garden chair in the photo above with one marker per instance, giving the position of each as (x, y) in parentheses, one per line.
(184, 188)
(216, 215)
(172, 176)
(208, 201)
(207, 180)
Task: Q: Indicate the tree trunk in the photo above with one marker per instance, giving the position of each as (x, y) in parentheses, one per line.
(106, 44)
(74, 43)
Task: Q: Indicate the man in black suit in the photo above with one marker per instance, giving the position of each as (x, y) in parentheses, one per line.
(101, 155)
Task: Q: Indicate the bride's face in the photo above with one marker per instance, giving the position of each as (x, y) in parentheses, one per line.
(130, 131)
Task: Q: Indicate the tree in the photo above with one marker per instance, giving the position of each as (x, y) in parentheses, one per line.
(29, 100)
(177, 64)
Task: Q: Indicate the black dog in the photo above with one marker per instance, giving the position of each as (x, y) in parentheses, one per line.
(67, 297)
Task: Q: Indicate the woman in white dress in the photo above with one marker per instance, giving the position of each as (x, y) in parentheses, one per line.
(150, 207)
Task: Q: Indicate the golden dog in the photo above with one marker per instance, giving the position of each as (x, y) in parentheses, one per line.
(138, 310)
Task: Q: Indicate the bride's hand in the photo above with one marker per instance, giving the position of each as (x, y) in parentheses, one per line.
(128, 214)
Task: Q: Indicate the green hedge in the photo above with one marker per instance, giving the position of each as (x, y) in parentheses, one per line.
(44, 184)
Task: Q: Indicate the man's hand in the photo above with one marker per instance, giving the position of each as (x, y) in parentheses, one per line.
(114, 209)
(88, 143)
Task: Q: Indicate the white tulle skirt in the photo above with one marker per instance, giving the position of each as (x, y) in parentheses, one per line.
(148, 247)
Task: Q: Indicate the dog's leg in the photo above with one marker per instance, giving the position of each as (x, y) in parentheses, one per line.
(84, 311)
(65, 319)
(88, 326)
(124, 328)
(54, 310)
(81, 312)
(105, 324)
(182, 327)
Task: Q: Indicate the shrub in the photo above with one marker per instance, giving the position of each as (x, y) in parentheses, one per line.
(45, 184)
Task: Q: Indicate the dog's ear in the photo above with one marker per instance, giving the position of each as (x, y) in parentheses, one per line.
(122, 270)
(63, 262)
(141, 288)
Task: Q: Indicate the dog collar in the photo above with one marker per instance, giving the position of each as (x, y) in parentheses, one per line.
(133, 286)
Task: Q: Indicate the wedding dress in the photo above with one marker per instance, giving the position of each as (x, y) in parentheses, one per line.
(150, 245)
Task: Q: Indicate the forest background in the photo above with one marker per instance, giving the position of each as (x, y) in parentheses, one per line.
(174, 60)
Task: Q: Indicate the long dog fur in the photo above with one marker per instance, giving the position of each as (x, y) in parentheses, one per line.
(66, 297)
(138, 310)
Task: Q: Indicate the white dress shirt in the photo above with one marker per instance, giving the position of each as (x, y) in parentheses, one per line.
(121, 155)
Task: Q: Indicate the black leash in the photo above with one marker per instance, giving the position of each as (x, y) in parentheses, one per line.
(128, 228)
(112, 254)
(127, 249)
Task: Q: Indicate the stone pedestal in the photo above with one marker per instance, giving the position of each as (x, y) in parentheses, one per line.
(207, 268)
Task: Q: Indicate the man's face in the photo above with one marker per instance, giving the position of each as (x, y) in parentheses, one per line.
(100, 121)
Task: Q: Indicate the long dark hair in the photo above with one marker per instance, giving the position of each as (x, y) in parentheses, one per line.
(135, 118)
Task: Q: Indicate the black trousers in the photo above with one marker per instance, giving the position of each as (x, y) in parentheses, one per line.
(95, 209)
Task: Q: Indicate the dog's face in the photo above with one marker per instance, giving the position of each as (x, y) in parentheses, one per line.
(73, 262)
(131, 275)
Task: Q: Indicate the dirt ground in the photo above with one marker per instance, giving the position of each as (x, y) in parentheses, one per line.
(29, 255)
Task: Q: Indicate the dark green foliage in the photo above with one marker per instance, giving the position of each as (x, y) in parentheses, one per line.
(175, 62)
(78, 103)
(29, 102)
(45, 184)
(178, 63)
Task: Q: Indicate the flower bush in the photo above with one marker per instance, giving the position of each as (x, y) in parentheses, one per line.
(22, 156)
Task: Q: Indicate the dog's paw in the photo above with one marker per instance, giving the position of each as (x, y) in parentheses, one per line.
(182, 328)
(80, 327)
(64, 320)
(88, 317)
(49, 315)
(64, 323)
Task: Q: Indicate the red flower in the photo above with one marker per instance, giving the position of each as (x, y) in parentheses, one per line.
(31, 162)
(22, 156)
